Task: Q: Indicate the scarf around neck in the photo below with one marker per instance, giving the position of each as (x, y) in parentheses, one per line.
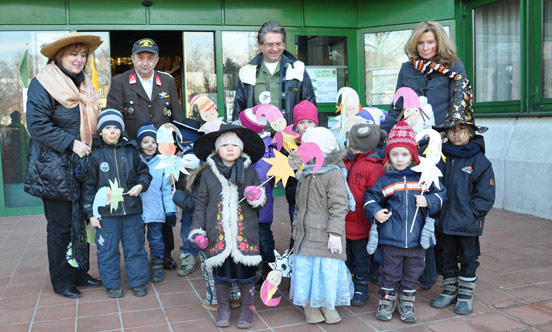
(464, 151)
(62, 88)
(234, 173)
(427, 67)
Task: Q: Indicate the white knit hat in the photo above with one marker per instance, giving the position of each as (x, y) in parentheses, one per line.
(321, 136)
(228, 138)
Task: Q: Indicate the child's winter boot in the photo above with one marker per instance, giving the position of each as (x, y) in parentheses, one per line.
(361, 292)
(247, 313)
(386, 305)
(332, 316)
(406, 306)
(313, 315)
(157, 269)
(448, 295)
(223, 305)
(464, 304)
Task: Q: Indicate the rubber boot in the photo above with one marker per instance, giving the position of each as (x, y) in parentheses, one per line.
(406, 306)
(264, 272)
(448, 295)
(387, 303)
(223, 306)
(464, 304)
(247, 313)
(157, 269)
(361, 292)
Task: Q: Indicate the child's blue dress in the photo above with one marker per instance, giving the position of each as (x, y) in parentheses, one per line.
(320, 282)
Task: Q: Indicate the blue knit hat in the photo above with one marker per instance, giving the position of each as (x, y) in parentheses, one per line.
(110, 117)
(147, 129)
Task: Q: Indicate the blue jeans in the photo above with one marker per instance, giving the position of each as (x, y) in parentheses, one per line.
(361, 264)
(187, 248)
(155, 239)
(266, 241)
(129, 230)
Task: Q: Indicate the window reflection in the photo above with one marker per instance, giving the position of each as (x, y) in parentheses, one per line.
(98, 68)
(14, 140)
(199, 63)
(547, 50)
(383, 55)
(238, 48)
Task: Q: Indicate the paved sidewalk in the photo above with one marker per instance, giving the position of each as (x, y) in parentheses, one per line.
(514, 290)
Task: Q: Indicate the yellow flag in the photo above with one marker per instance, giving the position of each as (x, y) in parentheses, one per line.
(94, 71)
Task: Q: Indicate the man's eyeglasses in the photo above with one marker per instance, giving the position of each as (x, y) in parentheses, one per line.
(272, 45)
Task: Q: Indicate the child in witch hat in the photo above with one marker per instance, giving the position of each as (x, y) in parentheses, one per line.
(470, 176)
(225, 221)
(392, 203)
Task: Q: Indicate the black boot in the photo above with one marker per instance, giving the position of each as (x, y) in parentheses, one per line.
(361, 291)
(156, 269)
(264, 272)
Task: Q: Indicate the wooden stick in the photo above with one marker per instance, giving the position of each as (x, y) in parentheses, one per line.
(416, 213)
(259, 186)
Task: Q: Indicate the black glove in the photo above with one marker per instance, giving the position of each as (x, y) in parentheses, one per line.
(171, 219)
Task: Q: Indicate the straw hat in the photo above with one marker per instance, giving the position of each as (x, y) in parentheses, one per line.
(50, 50)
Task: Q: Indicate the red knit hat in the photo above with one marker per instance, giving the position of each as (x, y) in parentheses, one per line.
(305, 110)
(402, 135)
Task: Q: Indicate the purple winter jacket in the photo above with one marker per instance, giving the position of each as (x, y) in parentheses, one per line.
(262, 167)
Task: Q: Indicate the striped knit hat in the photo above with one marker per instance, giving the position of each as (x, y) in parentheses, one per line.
(110, 117)
(147, 129)
(402, 135)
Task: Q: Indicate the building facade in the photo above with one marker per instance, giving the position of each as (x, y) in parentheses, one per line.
(506, 46)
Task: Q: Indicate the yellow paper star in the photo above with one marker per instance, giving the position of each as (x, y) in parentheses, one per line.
(280, 167)
(289, 142)
(116, 195)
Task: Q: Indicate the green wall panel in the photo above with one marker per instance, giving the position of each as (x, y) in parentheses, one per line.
(181, 12)
(255, 12)
(336, 14)
(372, 13)
(106, 12)
(36, 12)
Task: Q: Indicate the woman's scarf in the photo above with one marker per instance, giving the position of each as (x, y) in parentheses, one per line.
(234, 173)
(427, 67)
(62, 88)
(309, 168)
(76, 172)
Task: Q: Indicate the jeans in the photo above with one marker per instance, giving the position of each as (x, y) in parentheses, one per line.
(155, 239)
(187, 248)
(361, 264)
(266, 242)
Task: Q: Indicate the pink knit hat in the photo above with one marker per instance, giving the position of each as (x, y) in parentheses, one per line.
(305, 110)
(402, 135)
(248, 119)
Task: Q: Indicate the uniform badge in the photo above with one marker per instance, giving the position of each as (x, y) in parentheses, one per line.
(164, 95)
(132, 79)
(158, 80)
(167, 109)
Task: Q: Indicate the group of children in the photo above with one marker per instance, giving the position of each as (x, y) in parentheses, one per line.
(353, 197)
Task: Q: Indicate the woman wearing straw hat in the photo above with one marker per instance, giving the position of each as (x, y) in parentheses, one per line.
(61, 118)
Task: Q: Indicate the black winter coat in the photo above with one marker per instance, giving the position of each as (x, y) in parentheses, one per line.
(471, 191)
(293, 91)
(119, 162)
(52, 128)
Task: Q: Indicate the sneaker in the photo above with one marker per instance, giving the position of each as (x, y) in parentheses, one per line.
(115, 292)
(386, 305)
(406, 306)
(140, 290)
(359, 299)
(187, 266)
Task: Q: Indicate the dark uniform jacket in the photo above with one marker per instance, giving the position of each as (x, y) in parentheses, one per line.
(471, 190)
(121, 162)
(129, 97)
(292, 89)
(52, 128)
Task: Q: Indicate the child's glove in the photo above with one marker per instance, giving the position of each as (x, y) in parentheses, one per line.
(334, 244)
(427, 239)
(372, 240)
(201, 241)
(171, 219)
(252, 193)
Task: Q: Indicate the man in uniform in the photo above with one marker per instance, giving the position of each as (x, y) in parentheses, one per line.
(144, 94)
